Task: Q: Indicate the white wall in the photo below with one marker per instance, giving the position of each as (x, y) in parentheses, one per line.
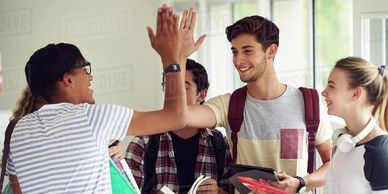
(110, 34)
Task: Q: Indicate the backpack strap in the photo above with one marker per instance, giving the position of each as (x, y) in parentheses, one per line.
(150, 157)
(218, 144)
(236, 115)
(7, 140)
(311, 105)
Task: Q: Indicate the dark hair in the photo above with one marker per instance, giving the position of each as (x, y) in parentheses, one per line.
(200, 74)
(265, 31)
(48, 65)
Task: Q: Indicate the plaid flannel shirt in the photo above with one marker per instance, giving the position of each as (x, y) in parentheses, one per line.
(166, 169)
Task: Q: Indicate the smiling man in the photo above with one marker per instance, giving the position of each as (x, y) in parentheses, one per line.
(63, 146)
(273, 130)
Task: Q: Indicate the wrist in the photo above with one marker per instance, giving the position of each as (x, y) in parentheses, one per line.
(174, 67)
(301, 186)
(167, 61)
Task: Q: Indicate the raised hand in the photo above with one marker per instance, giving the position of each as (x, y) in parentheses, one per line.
(167, 39)
(186, 31)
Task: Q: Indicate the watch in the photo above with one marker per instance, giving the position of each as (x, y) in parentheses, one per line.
(172, 68)
(302, 186)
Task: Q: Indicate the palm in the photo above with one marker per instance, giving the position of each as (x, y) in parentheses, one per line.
(186, 33)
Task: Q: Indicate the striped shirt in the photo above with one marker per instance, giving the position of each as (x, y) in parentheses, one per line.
(63, 148)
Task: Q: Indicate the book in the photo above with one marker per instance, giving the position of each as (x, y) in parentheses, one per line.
(193, 188)
(259, 186)
(253, 172)
(121, 177)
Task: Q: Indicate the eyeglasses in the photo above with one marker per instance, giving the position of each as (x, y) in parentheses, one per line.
(87, 66)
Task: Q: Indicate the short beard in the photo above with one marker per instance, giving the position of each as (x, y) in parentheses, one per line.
(252, 79)
(255, 77)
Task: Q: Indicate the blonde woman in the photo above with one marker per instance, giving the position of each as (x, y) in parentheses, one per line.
(357, 92)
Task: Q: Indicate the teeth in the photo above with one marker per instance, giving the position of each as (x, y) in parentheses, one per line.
(243, 68)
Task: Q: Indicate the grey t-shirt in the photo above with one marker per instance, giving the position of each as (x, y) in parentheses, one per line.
(273, 133)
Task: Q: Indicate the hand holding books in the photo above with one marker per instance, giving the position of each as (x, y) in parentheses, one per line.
(202, 183)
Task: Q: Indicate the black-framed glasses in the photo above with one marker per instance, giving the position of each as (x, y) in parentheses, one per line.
(87, 66)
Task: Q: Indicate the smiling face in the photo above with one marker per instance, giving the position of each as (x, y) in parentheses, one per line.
(82, 82)
(338, 93)
(249, 57)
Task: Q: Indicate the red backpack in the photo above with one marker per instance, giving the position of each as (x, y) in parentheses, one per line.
(311, 104)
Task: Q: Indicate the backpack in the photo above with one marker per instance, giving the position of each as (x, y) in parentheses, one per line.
(311, 104)
(151, 155)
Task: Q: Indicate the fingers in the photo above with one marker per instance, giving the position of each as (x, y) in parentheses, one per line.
(208, 186)
(164, 20)
(115, 151)
(151, 34)
(176, 22)
(192, 20)
(170, 19)
(159, 20)
(200, 40)
(187, 19)
(183, 20)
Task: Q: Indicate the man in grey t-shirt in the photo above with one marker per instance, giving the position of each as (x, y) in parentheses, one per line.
(273, 130)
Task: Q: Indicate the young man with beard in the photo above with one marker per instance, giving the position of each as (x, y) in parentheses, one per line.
(273, 112)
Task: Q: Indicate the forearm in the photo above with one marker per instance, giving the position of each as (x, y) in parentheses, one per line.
(15, 184)
(317, 178)
(175, 107)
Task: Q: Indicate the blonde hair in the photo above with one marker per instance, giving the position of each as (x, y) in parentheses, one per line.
(373, 79)
(27, 104)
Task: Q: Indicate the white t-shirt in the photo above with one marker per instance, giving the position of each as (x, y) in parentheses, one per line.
(363, 170)
(273, 133)
(63, 148)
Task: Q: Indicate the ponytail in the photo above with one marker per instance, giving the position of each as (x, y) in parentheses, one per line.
(27, 104)
(380, 111)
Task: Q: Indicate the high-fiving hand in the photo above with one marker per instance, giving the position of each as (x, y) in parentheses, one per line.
(174, 42)
(166, 41)
(186, 31)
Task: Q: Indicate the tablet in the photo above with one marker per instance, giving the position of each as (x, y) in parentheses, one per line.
(255, 174)
(241, 168)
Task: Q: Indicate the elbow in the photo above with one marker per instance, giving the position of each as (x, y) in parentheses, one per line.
(179, 119)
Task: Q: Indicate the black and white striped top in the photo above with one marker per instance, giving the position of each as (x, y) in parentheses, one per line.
(63, 148)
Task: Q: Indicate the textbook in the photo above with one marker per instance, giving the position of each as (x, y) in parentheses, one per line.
(193, 188)
(252, 172)
(259, 186)
(122, 179)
